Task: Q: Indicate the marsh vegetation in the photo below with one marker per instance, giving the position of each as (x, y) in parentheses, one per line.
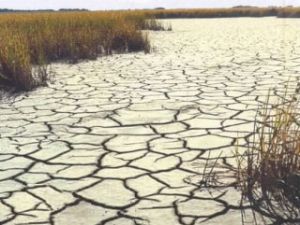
(289, 12)
(269, 172)
(28, 42)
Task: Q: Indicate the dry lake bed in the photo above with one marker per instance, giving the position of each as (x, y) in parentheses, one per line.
(125, 139)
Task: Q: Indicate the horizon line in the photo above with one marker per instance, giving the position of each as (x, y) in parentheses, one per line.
(150, 8)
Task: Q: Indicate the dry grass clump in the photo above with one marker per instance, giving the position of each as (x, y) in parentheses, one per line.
(33, 40)
(15, 63)
(269, 173)
(153, 24)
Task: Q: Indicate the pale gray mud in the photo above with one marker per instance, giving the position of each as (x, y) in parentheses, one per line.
(124, 140)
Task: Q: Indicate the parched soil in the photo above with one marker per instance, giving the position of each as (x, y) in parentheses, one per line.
(125, 139)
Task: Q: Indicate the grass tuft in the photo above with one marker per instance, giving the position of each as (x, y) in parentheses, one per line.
(269, 172)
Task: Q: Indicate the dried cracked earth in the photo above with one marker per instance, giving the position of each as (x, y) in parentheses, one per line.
(125, 139)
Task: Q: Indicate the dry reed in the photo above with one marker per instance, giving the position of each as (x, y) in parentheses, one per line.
(33, 40)
(226, 12)
(269, 172)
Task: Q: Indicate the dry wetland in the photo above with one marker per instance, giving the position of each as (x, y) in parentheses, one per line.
(125, 118)
(29, 42)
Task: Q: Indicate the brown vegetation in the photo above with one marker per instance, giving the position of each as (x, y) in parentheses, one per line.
(226, 12)
(30, 41)
(269, 172)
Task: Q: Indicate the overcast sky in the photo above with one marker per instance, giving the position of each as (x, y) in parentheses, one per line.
(135, 4)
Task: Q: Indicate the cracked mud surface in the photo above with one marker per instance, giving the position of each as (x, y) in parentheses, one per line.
(124, 140)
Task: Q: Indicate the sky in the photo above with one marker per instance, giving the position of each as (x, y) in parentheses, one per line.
(137, 4)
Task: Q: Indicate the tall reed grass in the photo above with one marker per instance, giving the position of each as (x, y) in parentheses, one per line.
(289, 12)
(269, 172)
(226, 12)
(28, 42)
